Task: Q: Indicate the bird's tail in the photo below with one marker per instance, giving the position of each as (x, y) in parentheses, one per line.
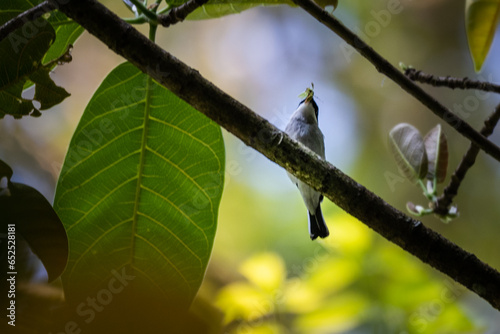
(317, 225)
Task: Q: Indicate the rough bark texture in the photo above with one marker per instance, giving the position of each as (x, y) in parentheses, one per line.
(255, 131)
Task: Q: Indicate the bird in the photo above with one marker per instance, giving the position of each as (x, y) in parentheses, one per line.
(303, 127)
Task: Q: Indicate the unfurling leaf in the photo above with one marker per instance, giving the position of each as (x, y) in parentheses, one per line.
(481, 20)
(436, 147)
(408, 148)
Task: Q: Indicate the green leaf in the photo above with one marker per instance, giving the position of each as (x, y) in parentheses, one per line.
(481, 21)
(408, 148)
(67, 31)
(36, 221)
(140, 190)
(46, 91)
(21, 55)
(218, 8)
(436, 147)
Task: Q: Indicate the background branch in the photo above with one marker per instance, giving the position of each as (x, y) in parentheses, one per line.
(30, 15)
(384, 67)
(258, 133)
(468, 160)
(451, 82)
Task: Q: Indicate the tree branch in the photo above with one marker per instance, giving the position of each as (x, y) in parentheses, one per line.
(178, 14)
(451, 82)
(255, 131)
(384, 67)
(468, 160)
(27, 16)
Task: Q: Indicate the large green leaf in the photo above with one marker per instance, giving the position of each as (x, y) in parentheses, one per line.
(140, 190)
(481, 21)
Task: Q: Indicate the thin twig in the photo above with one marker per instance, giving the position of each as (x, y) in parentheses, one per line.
(30, 15)
(188, 84)
(178, 14)
(451, 82)
(383, 66)
(444, 201)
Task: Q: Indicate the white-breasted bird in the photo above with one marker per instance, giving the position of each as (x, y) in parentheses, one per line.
(303, 127)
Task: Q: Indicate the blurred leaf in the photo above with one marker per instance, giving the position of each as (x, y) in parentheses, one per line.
(140, 189)
(267, 271)
(408, 148)
(302, 297)
(334, 275)
(36, 221)
(338, 315)
(436, 147)
(5, 170)
(241, 300)
(481, 20)
(351, 236)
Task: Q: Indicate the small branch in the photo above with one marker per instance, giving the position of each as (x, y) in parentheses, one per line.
(444, 201)
(384, 67)
(30, 15)
(451, 82)
(178, 14)
(144, 10)
(253, 130)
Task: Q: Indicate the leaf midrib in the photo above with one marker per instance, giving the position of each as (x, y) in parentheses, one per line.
(140, 169)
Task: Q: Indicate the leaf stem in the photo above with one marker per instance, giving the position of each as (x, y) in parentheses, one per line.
(151, 15)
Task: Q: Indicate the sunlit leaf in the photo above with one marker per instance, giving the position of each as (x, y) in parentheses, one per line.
(481, 21)
(36, 221)
(408, 148)
(352, 238)
(140, 189)
(243, 300)
(266, 271)
(436, 147)
(338, 315)
(302, 297)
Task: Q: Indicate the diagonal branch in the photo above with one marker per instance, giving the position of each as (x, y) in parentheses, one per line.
(30, 15)
(468, 160)
(258, 133)
(384, 67)
(450, 82)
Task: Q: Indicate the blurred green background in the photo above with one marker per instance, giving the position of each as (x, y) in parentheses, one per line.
(265, 275)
